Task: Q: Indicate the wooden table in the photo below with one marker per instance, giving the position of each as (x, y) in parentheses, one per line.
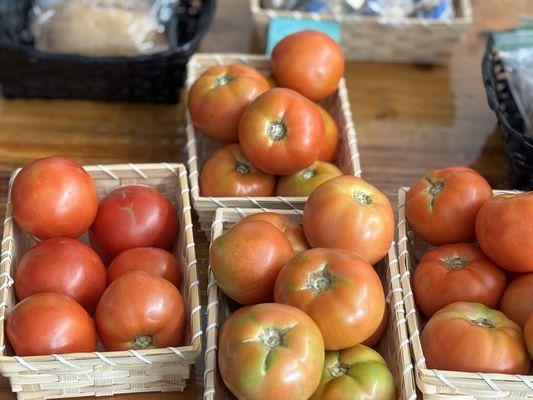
(409, 119)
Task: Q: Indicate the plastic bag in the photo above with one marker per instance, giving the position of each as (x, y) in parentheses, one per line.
(100, 28)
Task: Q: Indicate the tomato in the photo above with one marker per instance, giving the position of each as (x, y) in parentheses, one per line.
(355, 373)
(227, 173)
(442, 206)
(140, 311)
(302, 183)
(528, 334)
(133, 216)
(290, 228)
(155, 261)
(53, 197)
(270, 351)
(246, 260)
(309, 62)
(517, 300)
(457, 272)
(50, 323)
(348, 213)
(470, 337)
(333, 136)
(382, 328)
(219, 96)
(281, 132)
(505, 233)
(338, 290)
(65, 266)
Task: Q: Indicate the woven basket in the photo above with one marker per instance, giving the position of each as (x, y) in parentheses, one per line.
(437, 384)
(108, 373)
(366, 38)
(199, 147)
(393, 346)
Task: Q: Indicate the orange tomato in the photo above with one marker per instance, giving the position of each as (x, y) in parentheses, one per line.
(517, 300)
(333, 137)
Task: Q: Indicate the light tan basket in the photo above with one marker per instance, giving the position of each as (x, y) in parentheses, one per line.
(437, 384)
(199, 147)
(393, 346)
(108, 373)
(366, 38)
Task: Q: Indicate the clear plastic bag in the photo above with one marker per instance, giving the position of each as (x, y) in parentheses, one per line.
(102, 28)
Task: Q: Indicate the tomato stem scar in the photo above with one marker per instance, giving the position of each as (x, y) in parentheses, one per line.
(456, 262)
(223, 80)
(276, 130)
(271, 337)
(484, 322)
(319, 281)
(339, 369)
(308, 173)
(242, 168)
(142, 342)
(362, 197)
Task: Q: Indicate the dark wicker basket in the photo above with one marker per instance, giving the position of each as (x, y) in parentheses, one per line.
(28, 73)
(518, 147)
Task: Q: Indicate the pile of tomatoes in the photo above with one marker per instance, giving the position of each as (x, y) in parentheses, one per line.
(329, 304)
(460, 285)
(62, 284)
(270, 131)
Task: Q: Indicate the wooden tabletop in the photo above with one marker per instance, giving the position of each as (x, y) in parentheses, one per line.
(409, 119)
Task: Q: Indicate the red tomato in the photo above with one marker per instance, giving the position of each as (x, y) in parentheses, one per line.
(442, 206)
(382, 328)
(338, 290)
(348, 213)
(528, 334)
(457, 272)
(65, 266)
(333, 136)
(148, 259)
(302, 183)
(219, 96)
(281, 132)
(50, 323)
(309, 62)
(227, 173)
(505, 232)
(517, 300)
(140, 311)
(133, 216)
(470, 337)
(246, 260)
(52, 197)
(270, 351)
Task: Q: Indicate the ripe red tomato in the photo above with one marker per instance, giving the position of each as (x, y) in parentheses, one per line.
(155, 261)
(333, 136)
(470, 337)
(355, 373)
(140, 311)
(246, 260)
(133, 216)
(338, 290)
(219, 96)
(504, 231)
(270, 351)
(227, 173)
(442, 206)
(528, 334)
(281, 132)
(50, 323)
(290, 228)
(457, 272)
(382, 328)
(302, 183)
(53, 197)
(309, 62)
(517, 300)
(65, 266)
(348, 213)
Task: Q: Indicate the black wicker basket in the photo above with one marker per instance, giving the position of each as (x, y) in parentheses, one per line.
(28, 73)
(518, 147)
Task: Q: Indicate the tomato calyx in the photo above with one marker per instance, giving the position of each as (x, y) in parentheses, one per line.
(308, 173)
(143, 342)
(362, 197)
(319, 281)
(339, 369)
(243, 168)
(276, 130)
(484, 322)
(455, 262)
(271, 337)
(223, 79)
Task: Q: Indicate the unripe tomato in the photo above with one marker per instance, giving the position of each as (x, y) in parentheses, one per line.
(302, 183)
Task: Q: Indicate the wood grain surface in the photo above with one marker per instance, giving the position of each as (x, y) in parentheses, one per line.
(409, 119)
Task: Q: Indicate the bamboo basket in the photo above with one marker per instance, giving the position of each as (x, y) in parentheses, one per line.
(437, 384)
(393, 346)
(108, 373)
(199, 147)
(367, 38)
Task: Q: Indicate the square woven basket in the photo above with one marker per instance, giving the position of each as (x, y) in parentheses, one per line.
(438, 384)
(108, 373)
(393, 346)
(199, 147)
(367, 38)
